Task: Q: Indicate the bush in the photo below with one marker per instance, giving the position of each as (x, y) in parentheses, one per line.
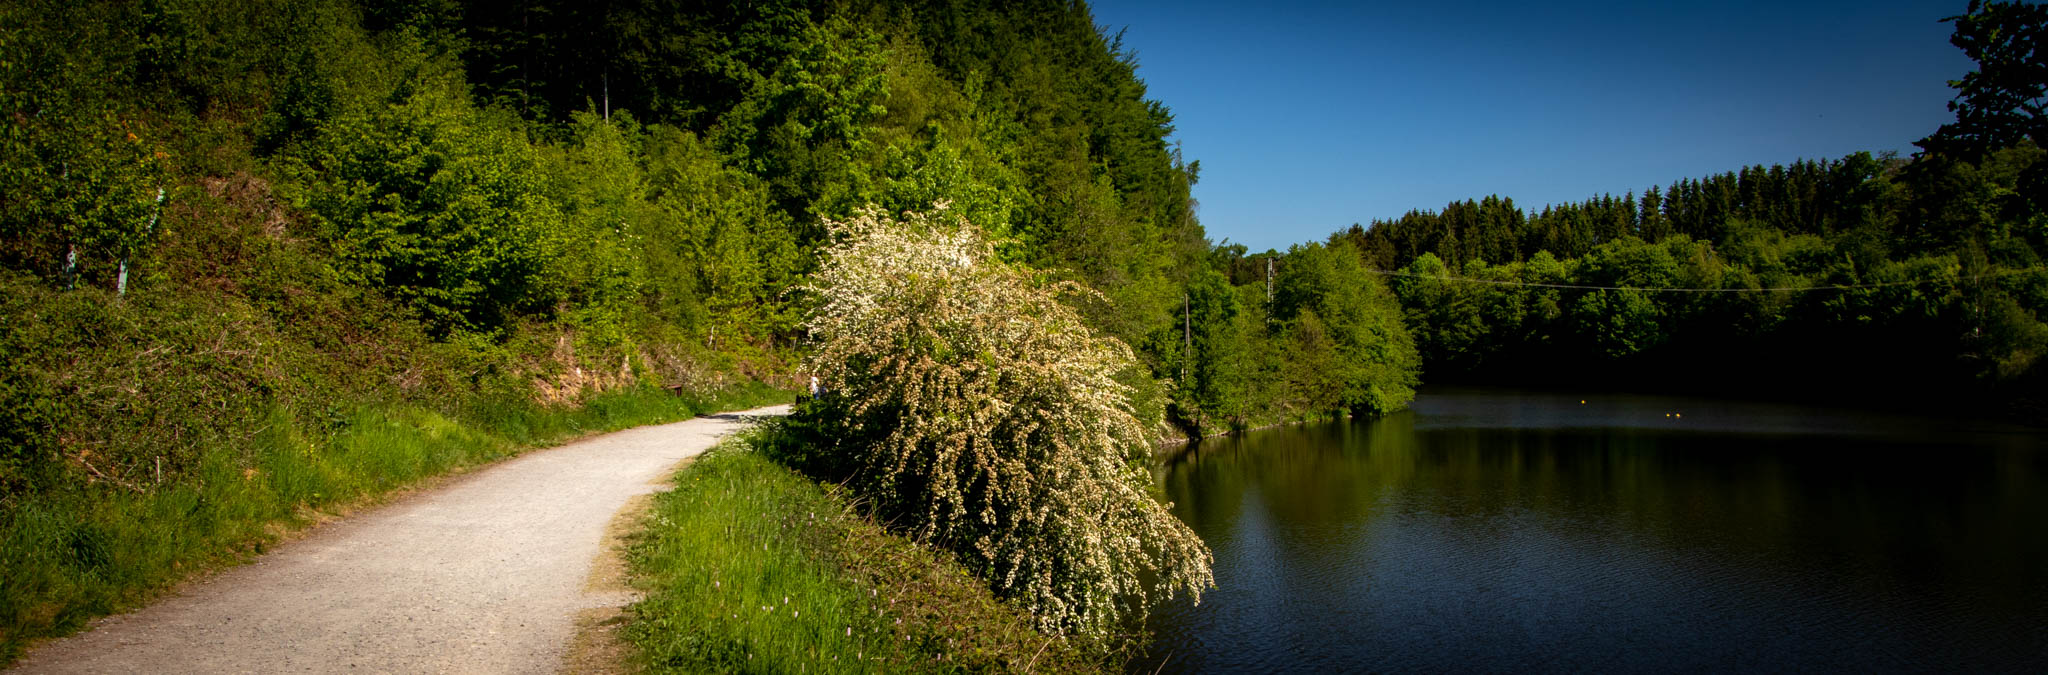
(971, 407)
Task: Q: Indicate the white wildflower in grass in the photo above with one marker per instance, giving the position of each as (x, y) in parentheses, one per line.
(963, 400)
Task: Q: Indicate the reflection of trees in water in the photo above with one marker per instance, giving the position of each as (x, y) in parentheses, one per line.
(1307, 473)
(1880, 512)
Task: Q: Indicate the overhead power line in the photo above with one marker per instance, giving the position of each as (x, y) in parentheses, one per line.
(1645, 289)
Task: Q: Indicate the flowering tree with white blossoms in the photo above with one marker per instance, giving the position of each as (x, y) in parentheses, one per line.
(963, 400)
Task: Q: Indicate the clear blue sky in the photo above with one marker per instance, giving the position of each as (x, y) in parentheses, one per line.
(1309, 117)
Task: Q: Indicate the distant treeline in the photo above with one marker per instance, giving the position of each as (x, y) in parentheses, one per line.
(1864, 277)
(1809, 197)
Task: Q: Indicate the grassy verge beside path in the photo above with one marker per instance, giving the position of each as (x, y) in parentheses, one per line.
(69, 557)
(751, 567)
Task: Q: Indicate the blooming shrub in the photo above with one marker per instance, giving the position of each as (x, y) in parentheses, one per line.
(964, 401)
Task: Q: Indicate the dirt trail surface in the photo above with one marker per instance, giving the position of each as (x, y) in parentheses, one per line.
(484, 575)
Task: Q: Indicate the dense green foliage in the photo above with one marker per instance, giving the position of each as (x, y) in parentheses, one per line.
(342, 226)
(1319, 336)
(750, 567)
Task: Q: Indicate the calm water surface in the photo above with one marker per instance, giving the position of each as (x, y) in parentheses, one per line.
(1492, 531)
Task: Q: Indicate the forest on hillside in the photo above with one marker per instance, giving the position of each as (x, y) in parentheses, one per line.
(231, 207)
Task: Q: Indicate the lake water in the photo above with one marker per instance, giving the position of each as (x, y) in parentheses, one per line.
(1503, 531)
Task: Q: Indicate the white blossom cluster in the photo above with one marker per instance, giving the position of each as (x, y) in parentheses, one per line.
(981, 413)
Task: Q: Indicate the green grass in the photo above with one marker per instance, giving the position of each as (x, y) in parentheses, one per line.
(70, 556)
(751, 567)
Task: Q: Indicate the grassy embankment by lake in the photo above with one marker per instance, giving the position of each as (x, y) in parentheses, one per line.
(751, 567)
(67, 557)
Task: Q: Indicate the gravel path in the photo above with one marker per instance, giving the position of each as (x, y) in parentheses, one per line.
(483, 575)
